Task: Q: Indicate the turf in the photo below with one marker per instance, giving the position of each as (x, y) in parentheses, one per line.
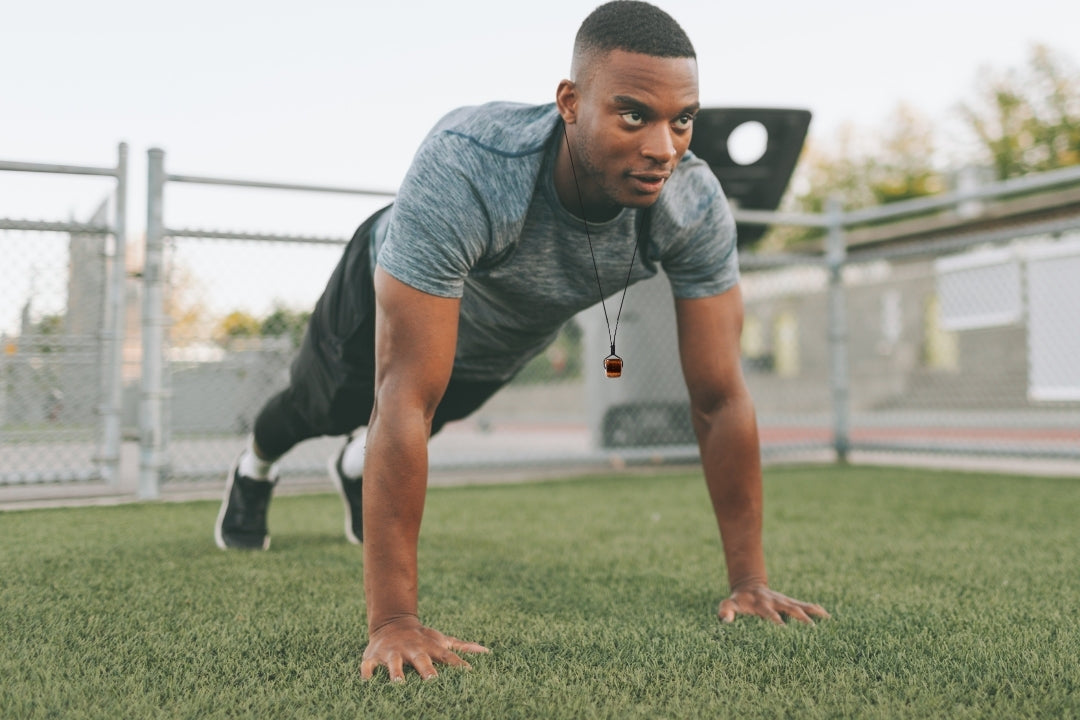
(952, 595)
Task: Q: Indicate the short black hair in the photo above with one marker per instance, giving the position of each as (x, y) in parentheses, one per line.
(633, 26)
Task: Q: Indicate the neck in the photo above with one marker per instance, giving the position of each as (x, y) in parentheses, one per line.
(574, 189)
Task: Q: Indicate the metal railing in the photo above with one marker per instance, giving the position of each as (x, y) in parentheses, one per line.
(1009, 423)
(848, 348)
(155, 387)
(644, 422)
(106, 459)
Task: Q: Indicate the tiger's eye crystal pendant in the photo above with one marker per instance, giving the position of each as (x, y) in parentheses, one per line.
(613, 364)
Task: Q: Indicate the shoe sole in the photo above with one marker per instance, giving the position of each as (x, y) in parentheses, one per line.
(219, 538)
(331, 469)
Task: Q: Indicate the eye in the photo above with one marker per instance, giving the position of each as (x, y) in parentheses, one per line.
(633, 117)
(684, 121)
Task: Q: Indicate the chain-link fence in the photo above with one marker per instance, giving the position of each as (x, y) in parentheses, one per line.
(951, 344)
(968, 345)
(222, 315)
(960, 345)
(62, 291)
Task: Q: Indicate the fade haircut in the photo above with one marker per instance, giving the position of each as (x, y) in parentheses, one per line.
(632, 26)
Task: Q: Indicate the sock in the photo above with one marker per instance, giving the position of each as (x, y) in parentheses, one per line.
(352, 460)
(252, 466)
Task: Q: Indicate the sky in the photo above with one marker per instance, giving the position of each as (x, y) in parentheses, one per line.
(341, 93)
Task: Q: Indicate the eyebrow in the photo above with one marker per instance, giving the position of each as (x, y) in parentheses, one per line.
(634, 102)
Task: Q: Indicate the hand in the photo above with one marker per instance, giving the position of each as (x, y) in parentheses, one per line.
(759, 600)
(407, 642)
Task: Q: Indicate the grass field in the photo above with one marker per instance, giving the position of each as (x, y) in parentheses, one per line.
(952, 595)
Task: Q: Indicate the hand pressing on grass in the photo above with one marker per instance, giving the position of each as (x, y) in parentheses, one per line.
(725, 423)
(406, 641)
(757, 599)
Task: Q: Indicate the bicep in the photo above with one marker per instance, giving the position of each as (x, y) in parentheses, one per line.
(709, 332)
(415, 340)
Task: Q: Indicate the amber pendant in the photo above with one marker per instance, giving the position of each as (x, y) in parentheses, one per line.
(613, 366)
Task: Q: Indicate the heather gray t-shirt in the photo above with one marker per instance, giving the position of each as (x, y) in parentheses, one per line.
(477, 218)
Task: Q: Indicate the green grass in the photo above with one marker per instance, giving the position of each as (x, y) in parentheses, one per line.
(952, 595)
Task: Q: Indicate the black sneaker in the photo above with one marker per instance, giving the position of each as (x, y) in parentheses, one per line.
(241, 523)
(352, 492)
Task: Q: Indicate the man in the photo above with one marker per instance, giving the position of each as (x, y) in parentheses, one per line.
(507, 221)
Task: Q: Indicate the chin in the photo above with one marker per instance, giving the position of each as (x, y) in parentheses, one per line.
(640, 202)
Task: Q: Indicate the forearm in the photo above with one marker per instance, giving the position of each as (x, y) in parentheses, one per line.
(395, 484)
(731, 458)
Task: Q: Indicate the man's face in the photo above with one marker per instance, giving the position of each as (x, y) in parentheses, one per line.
(631, 120)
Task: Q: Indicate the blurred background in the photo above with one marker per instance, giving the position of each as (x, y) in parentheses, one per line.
(927, 313)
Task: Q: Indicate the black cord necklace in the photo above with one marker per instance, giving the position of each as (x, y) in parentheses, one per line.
(613, 364)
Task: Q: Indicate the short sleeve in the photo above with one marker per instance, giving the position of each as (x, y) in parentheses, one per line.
(697, 232)
(439, 229)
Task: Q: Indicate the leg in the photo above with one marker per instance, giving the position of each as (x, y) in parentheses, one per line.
(330, 393)
(461, 399)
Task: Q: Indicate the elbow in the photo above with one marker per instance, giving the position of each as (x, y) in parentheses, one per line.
(404, 400)
(715, 405)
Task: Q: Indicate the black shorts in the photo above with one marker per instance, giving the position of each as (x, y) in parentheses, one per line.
(332, 379)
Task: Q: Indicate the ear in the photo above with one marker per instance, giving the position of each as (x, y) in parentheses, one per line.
(566, 99)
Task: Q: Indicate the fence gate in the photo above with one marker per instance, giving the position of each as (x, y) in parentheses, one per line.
(62, 299)
(222, 315)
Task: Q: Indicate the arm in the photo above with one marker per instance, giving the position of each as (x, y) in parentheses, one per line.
(415, 338)
(726, 428)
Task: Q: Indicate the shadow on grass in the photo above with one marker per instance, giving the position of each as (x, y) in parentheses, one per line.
(301, 542)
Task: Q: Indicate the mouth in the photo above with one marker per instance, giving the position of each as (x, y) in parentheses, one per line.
(649, 182)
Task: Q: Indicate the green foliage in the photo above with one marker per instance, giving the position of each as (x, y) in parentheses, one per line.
(1028, 120)
(50, 325)
(952, 594)
(238, 324)
(283, 321)
(47, 333)
(905, 169)
(860, 170)
(1023, 121)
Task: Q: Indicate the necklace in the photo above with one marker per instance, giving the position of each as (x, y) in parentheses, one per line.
(613, 364)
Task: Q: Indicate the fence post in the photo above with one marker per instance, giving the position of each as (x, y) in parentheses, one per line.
(835, 259)
(151, 421)
(113, 335)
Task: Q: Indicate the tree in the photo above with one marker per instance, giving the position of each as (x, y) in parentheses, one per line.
(1023, 120)
(1028, 120)
(283, 321)
(237, 324)
(47, 333)
(904, 168)
(184, 306)
(862, 169)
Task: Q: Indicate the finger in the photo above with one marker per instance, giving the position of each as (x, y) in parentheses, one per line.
(397, 671)
(452, 643)
(728, 609)
(797, 612)
(808, 608)
(449, 657)
(462, 646)
(367, 669)
(772, 616)
(421, 662)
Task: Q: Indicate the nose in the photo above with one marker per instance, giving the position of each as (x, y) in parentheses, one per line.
(660, 145)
